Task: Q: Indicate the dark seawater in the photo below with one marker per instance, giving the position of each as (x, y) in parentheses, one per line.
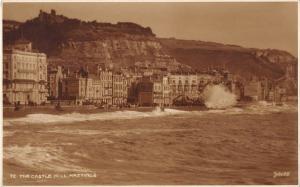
(233, 146)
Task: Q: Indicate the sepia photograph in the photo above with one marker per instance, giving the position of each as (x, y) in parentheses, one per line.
(150, 93)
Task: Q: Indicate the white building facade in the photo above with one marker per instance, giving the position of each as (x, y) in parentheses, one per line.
(24, 76)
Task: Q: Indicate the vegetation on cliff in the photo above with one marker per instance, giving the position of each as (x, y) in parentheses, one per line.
(246, 62)
(74, 42)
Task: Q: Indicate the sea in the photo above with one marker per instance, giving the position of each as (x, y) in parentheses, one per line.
(255, 143)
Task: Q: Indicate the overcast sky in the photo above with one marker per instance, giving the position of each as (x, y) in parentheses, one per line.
(260, 25)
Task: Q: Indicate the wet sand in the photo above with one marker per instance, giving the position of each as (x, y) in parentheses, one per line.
(212, 147)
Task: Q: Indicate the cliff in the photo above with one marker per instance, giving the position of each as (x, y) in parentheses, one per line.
(74, 43)
(246, 62)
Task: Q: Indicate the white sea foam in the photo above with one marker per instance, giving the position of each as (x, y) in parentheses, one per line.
(231, 110)
(252, 108)
(263, 107)
(218, 97)
(256, 108)
(77, 117)
(41, 158)
(113, 132)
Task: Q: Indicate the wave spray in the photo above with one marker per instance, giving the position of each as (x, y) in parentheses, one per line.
(218, 97)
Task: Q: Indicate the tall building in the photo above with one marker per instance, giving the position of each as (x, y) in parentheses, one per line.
(184, 85)
(166, 90)
(78, 88)
(55, 78)
(157, 92)
(75, 88)
(96, 92)
(132, 82)
(105, 75)
(161, 91)
(258, 89)
(24, 75)
(145, 92)
(119, 89)
(105, 87)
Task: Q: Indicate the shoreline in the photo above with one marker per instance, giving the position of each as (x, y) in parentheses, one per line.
(9, 112)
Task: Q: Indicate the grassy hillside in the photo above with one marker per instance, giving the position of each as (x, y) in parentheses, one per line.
(239, 60)
(77, 42)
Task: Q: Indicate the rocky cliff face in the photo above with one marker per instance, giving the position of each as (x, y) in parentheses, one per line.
(246, 62)
(120, 51)
(110, 48)
(274, 56)
(75, 43)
